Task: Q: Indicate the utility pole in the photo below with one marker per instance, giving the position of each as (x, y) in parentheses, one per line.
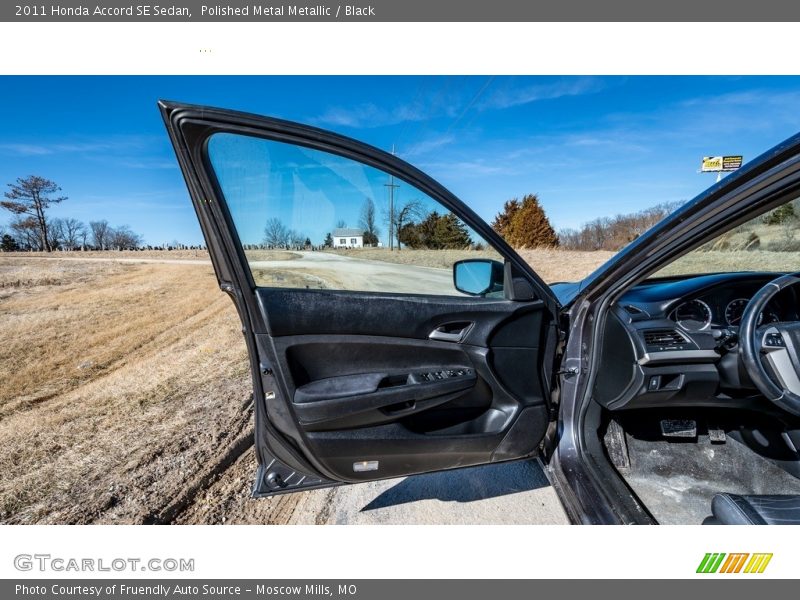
(391, 185)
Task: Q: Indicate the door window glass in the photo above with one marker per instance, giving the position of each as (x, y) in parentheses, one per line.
(311, 219)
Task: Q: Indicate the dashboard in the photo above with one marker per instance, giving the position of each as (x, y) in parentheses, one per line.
(711, 301)
(674, 341)
(724, 308)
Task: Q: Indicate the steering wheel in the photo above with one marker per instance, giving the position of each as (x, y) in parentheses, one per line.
(770, 352)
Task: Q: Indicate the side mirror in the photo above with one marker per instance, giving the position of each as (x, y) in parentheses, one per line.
(478, 276)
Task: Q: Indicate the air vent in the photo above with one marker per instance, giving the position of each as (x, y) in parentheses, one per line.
(664, 339)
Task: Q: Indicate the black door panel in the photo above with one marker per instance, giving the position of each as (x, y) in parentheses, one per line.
(318, 312)
(403, 449)
(361, 399)
(314, 357)
(375, 398)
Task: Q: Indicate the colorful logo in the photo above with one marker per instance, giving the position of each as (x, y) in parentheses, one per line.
(741, 562)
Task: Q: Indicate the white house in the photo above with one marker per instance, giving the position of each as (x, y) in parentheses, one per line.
(348, 238)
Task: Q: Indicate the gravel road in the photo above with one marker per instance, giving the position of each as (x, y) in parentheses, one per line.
(507, 494)
(504, 494)
(368, 275)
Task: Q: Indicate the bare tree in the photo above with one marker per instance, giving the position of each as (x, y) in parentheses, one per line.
(410, 212)
(296, 239)
(65, 233)
(31, 196)
(83, 236)
(73, 229)
(275, 233)
(341, 224)
(101, 231)
(55, 233)
(122, 238)
(614, 233)
(26, 232)
(367, 222)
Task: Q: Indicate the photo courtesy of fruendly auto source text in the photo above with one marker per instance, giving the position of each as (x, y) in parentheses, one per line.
(467, 282)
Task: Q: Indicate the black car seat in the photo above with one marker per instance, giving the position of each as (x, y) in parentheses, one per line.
(733, 509)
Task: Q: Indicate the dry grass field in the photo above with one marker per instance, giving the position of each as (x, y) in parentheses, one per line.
(123, 385)
(551, 265)
(121, 254)
(124, 391)
(736, 260)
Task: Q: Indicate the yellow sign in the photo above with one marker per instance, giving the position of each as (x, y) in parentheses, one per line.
(713, 164)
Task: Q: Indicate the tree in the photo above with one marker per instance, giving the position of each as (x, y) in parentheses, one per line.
(122, 238)
(296, 239)
(66, 233)
(83, 236)
(436, 232)
(26, 232)
(341, 224)
(411, 211)
(55, 231)
(524, 224)
(275, 233)
(328, 243)
(367, 223)
(32, 197)
(412, 235)
(502, 222)
(781, 215)
(613, 233)
(451, 233)
(101, 232)
(8, 243)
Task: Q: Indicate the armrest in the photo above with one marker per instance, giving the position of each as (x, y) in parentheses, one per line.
(338, 387)
(358, 400)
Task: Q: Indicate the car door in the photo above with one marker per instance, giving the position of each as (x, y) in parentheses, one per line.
(366, 363)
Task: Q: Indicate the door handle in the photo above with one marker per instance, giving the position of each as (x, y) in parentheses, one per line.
(451, 332)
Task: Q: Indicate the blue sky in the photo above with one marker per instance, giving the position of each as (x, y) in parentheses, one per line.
(588, 146)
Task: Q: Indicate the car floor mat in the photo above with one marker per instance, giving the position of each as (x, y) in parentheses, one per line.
(676, 480)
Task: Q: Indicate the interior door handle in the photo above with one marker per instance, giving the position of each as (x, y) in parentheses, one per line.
(451, 332)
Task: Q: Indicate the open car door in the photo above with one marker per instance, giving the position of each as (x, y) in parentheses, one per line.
(366, 364)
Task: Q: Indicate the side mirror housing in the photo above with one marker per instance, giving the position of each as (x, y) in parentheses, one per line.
(478, 277)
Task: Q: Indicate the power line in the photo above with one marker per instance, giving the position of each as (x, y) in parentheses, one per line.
(391, 186)
(470, 104)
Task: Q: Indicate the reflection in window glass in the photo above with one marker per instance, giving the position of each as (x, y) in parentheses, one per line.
(769, 242)
(310, 219)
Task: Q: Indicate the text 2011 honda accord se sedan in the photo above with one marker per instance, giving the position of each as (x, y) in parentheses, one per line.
(663, 388)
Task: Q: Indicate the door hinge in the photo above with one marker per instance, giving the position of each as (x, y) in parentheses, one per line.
(569, 372)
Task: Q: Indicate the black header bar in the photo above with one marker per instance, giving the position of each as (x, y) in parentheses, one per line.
(404, 11)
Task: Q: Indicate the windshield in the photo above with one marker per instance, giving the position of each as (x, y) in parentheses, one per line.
(768, 242)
